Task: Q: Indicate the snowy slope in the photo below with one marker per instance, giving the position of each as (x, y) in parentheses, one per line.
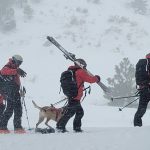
(100, 31)
(94, 139)
(104, 128)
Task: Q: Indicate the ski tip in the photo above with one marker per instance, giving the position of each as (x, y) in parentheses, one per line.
(49, 38)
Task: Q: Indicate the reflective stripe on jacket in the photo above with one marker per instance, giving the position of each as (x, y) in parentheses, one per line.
(10, 69)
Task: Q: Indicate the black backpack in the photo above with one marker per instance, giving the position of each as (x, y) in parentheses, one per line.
(142, 74)
(68, 83)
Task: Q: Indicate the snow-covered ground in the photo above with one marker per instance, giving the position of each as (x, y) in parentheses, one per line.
(100, 31)
(104, 128)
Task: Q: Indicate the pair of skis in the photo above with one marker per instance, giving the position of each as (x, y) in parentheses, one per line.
(71, 57)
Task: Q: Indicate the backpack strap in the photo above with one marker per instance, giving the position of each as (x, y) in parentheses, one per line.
(74, 75)
(74, 70)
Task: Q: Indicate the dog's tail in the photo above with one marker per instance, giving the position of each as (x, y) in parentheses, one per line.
(36, 106)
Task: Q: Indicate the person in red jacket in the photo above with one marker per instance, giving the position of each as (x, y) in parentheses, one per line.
(74, 106)
(10, 87)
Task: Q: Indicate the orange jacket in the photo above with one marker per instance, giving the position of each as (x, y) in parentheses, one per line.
(11, 69)
(81, 77)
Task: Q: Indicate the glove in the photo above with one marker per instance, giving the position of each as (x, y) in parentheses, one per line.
(21, 72)
(98, 78)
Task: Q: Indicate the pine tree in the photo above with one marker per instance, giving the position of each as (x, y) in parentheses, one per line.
(123, 82)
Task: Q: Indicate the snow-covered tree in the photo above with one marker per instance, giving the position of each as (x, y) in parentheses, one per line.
(123, 83)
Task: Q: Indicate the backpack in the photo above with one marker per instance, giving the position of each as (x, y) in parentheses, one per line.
(68, 83)
(142, 74)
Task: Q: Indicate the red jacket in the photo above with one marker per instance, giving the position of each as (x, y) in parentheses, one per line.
(11, 69)
(81, 77)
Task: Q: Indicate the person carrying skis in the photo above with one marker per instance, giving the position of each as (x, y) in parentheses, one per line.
(11, 74)
(74, 106)
(143, 81)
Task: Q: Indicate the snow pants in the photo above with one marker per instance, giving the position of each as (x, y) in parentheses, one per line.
(73, 108)
(13, 105)
(143, 102)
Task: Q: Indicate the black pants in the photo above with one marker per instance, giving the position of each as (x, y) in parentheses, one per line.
(143, 102)
(13, 105)
(73, 108)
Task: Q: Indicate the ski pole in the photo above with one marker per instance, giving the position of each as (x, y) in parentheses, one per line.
(120, 109)
(112, 98)
(136, 95)
(23, 92)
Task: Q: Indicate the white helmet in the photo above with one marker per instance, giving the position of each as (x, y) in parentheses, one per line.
(17, 59)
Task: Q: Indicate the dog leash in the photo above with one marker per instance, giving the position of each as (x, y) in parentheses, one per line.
(59, 101)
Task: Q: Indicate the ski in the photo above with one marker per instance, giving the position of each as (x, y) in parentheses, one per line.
(29, 131)
(44, 130)
(71, 57)
(14, 131)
